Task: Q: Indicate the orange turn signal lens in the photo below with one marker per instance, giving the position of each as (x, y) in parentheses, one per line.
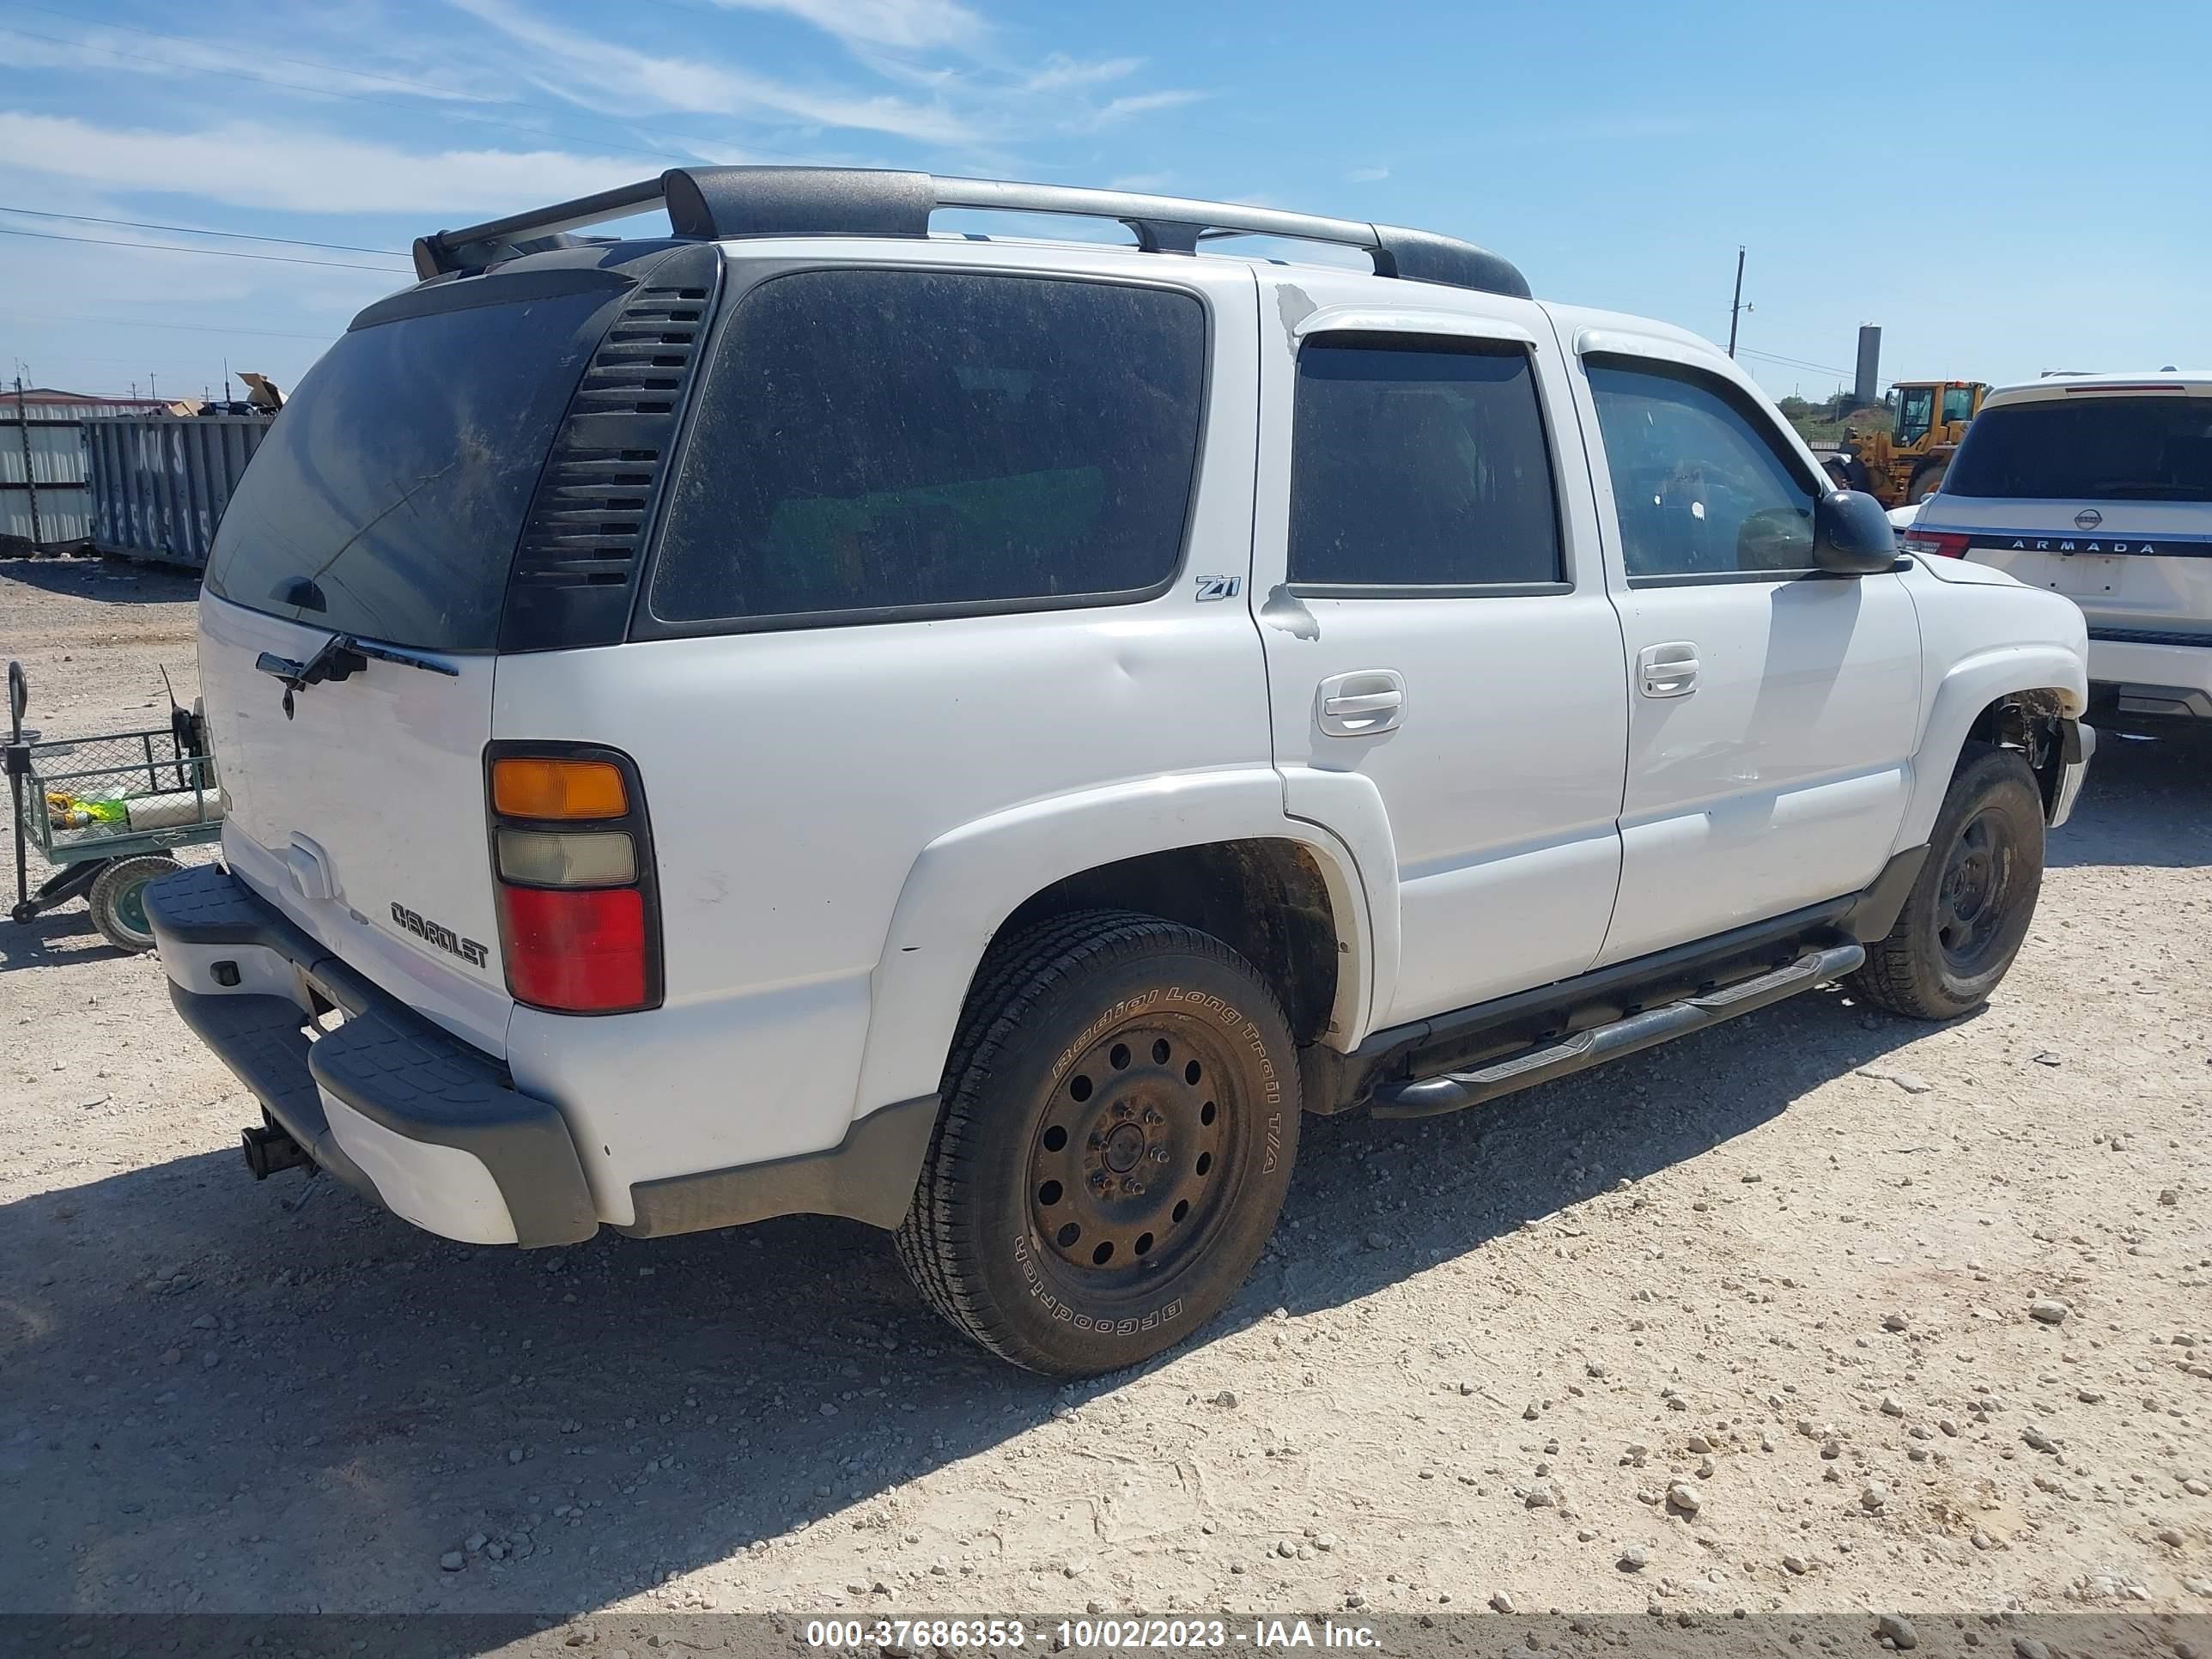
(534, 788)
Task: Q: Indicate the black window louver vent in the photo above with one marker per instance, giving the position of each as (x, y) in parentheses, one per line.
(572, 571)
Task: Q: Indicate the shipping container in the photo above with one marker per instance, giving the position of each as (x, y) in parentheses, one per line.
(159, 484)
(43, 503)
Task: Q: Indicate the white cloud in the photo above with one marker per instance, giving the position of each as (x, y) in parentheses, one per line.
(106, 51)
(1368, 175)
(250, 164)
(907, 25)
(1061, 72)
(695, 85)
(1133, 104)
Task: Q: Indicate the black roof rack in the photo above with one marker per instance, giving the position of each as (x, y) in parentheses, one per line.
(712, 203)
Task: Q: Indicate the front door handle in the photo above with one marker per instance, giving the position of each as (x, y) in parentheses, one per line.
(1362, 703)
(1668, 671)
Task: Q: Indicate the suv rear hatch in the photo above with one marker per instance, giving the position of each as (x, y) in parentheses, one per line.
(527, 408)
(2099, 492)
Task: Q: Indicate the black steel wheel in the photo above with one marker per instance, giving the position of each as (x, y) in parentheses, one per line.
(1126, 1169)
(1970, 908)
(1120, 1117)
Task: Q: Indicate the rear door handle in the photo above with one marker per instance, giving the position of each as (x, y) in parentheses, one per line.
(1361, 703)
(1669, 669)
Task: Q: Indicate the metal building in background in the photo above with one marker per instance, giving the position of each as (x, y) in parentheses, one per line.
(43, 500)
(160, 483)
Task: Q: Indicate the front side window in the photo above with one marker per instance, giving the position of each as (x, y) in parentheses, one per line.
(1916, 413)
(1419, 462)
(901, 441)
(1700, 490)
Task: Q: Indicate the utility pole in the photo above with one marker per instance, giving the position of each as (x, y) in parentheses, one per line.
(30, 480)
(1735, 304)
(151, 392)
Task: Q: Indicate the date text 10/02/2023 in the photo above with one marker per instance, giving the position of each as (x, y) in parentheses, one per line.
(1001, 1634)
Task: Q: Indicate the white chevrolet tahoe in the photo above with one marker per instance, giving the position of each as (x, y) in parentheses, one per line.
(2099, 486)
(808, 715)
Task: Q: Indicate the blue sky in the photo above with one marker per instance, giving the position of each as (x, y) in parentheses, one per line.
(2005, 188)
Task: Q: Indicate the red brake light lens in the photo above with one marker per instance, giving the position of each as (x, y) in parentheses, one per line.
(572, 860)
(575, 950)
(1943, 544)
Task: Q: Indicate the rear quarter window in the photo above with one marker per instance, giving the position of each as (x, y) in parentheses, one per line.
(884, 442)
(2156, 449)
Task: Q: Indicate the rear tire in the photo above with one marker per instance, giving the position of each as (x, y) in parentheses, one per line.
(1119, 1116)
(118, 900)
(1968, 912)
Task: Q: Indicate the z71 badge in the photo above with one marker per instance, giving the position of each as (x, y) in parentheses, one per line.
(444, 938)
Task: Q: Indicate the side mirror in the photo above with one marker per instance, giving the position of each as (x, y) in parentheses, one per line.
(1851, 535)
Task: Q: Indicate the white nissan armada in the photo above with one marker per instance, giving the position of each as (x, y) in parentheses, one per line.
(804, 714)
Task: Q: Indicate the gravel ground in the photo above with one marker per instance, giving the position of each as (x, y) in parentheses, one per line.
(1822, 1310)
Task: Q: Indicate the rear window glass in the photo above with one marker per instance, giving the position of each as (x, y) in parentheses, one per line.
(2100, 449)
(389, 493)
(872, 440)
(1419, 462)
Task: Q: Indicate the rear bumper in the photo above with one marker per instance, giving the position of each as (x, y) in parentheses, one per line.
(386, 1102)
(2149, 674)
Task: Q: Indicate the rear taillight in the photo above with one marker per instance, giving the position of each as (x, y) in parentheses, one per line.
(1943, 544)
(579, 917)
(577, 952)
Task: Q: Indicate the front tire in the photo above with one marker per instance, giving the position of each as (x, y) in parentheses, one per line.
(1925, 483)
(1969, 911)
(1120, 1114)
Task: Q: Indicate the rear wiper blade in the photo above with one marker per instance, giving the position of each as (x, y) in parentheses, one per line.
(340, 658)
(404, 658)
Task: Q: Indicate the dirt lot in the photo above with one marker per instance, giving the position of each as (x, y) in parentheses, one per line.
(1783, 1272)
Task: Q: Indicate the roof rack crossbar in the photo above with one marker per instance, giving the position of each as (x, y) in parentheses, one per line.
(720, 203)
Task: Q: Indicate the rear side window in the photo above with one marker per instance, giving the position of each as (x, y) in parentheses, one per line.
(387, 499)
(1419, 462)
(2156, 449)
(881, 441)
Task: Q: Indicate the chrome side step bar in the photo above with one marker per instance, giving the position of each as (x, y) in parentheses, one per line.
(1453, 1091)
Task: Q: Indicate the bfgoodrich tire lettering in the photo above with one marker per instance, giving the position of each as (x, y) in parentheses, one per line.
(1970, 908)
(1121, 1116)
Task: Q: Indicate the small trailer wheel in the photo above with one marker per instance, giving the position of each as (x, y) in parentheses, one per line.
(118, 900)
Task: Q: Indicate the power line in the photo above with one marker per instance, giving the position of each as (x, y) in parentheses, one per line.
(194, 230)
(187, 328)
(1793, 362)
(209, 253)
